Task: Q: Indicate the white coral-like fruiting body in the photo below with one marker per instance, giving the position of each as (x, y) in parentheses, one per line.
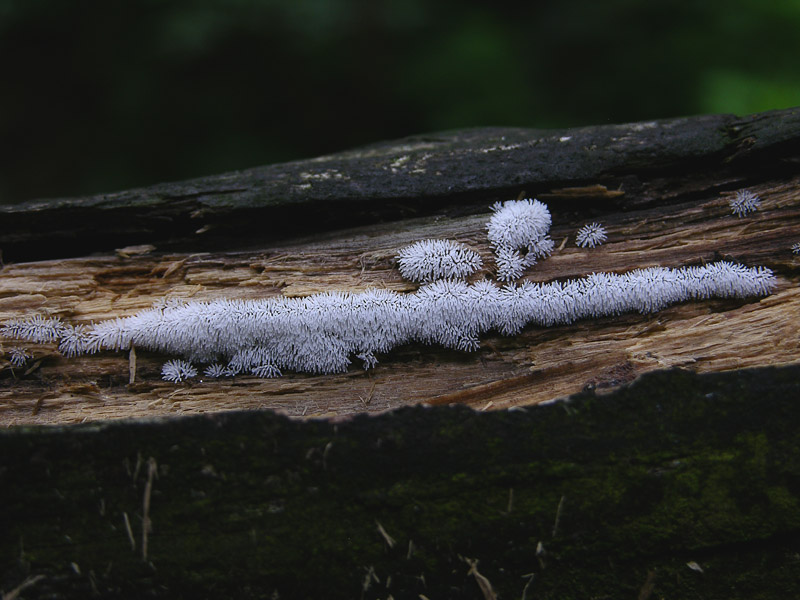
(541, 248)
(796, 248)
(744, 202)
(177, 371)
(38, 329)
(215, 371)
(591, 235)
(320, 333)
(74, 340)
(368, 358)
(517, 223)
(517, 232)
(19, 356)
(266, 371)
(510, 265)
(429, 260)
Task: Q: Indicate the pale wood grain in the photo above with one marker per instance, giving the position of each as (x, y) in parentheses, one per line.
(536, 366)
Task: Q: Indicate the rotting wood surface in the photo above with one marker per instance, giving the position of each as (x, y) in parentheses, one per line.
(669, 217)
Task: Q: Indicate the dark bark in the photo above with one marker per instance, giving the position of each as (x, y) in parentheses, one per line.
(628, 492)
(416, 175)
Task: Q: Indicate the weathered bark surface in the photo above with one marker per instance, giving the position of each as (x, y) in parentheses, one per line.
(652, 162)
(679, 486)
(660, 188)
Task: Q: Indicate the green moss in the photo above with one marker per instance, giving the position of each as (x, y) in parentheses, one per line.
(248, 504)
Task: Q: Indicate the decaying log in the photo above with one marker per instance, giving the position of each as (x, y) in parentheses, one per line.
(336, 223)
(679, 483)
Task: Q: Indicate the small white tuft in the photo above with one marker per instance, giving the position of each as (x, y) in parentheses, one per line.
(796, 248)
(264, 371)
(369, 359)
(518, 223)
(744, 203)
(517, 232)
(38, 329)
(591, 235)
(429, 260)
(74, 340)
(177, 371)
(18, 356)
(215, 371)
(541, 248)
(510, 265)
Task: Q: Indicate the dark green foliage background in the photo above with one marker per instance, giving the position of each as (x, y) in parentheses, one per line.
(98, 96)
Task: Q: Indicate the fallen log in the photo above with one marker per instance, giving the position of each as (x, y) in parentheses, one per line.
(647, 483)
(662, 190)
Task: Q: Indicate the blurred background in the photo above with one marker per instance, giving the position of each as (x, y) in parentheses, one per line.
(99, 95)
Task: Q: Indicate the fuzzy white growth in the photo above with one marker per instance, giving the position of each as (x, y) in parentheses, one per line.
(177, 371)
(215, 371)
(368, 358)
(320, 333)
(517, 223)
(518, 233)
(510, 265)
(744, 203)
(266, 371)
(429, 260)
(541, 248)
(591, 235)
(796, 248)
(38, 329)
(74, 340)
(18, 356)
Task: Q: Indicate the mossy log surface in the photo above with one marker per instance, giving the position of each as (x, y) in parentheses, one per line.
(676, 486)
